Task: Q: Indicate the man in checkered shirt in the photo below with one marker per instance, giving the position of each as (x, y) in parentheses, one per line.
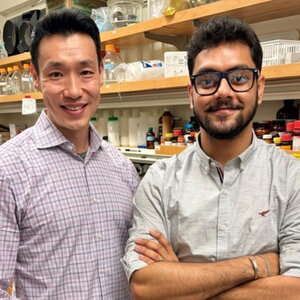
(65, 193)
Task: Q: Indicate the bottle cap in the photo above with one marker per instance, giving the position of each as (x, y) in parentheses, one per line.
(290, 126)
(267, 136)
(112, 118)
(277, 140)
(286, 137)
(297, 124)
(169, 135)
(150, 128)
(109, 47)
(3, 70)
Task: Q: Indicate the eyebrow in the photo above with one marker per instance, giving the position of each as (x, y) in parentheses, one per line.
(83, 63)
(214, 70)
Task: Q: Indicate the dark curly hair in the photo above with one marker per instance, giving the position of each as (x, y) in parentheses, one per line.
(223, 29)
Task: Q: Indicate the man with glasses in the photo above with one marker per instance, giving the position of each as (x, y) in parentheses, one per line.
(221, 220)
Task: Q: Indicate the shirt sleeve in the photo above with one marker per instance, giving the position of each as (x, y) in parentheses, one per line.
(289, 236)
(148, 213)
(9, 236)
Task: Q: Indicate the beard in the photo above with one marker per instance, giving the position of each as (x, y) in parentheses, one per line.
(226, 132)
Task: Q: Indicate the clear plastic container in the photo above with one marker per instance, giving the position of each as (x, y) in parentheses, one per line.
(9, 84)
(110, 62)
(26, 79)
(124, 12)
(3, 75)
(113, 131)
(16, 80)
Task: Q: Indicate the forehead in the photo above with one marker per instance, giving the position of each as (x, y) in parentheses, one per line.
(223, 57)
(67, 48)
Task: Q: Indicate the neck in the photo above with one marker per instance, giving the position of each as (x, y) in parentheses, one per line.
(223, 151)
(80, 139)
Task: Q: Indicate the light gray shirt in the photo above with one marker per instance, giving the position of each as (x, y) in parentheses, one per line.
(254, 208)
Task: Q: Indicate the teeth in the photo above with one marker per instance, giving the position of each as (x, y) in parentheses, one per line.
(74, 108)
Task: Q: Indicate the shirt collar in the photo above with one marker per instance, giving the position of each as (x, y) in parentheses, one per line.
(242, 159)
(48, 135)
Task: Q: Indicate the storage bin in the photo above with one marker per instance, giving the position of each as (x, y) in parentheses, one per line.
(125, 12)
(275, 52)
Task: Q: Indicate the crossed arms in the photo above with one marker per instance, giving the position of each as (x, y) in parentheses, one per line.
(166, 278)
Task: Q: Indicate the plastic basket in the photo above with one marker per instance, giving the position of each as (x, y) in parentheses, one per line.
(274, 52)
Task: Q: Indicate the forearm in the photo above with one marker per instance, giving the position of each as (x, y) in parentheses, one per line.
(271, 288)
(188, 281)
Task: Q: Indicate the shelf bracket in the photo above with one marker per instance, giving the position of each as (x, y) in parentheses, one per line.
(180, 42)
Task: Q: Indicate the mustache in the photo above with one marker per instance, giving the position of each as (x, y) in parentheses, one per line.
(223, 105)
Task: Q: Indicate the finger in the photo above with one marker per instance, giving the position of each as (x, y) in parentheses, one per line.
(148, 253)
(152, 245)
(163, 241)
(146, 259)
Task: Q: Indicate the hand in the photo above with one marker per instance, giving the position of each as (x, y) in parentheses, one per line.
(155, 251)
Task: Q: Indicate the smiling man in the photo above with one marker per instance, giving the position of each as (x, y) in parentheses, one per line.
(221, 220)
(65, 194)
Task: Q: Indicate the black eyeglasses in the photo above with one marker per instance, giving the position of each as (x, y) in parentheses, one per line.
(240, 80)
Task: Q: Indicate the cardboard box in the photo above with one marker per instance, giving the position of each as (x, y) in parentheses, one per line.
(85, 6)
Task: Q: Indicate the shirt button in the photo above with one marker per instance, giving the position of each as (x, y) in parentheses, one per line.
(99, 236)
(222, 227)
(94, 200)
(225, 191)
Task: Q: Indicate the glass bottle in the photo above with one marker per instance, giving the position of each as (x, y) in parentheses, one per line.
(296, 136)
(150, 138)
(167, 122)
(288, 111)
(286, 142)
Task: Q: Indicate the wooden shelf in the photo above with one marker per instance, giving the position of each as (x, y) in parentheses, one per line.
(283, 73)
(182, 23)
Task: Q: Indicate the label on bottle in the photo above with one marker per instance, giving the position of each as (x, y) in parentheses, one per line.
(2, 83)
(296, 143)
(150, 138)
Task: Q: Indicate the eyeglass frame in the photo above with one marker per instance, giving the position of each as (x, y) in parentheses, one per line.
(222, 75)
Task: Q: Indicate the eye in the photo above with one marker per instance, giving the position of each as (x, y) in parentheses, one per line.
(55, 75)
(239, 78)
(86, 73)
(207, 81)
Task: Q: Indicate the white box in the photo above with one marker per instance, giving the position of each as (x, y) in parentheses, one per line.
(176, 63)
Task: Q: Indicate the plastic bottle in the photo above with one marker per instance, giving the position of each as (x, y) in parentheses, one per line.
(288, 111)
(113, 131)
(26, 79)
(110, 62)
(120, 68)
(9, 85)
(3, 53)
(16, 80)
(133, 124)
(124, 139)
(3, 75)
(150, 138)
(296, 136)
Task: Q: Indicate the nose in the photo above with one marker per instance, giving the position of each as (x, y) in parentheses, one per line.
(73, 88)
(224, 89)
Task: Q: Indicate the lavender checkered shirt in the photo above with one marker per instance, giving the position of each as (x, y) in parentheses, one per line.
(63, 219)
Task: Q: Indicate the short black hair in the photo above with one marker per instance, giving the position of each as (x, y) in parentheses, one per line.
(65, 22)
(222, 29)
